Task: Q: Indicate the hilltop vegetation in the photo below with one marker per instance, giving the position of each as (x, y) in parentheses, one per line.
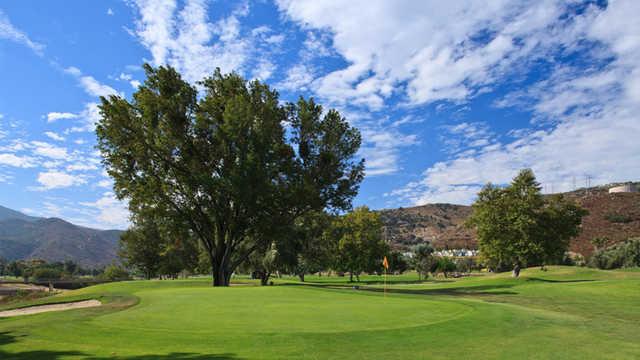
(615, 217)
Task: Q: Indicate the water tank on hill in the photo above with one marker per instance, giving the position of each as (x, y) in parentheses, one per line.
(629, 187)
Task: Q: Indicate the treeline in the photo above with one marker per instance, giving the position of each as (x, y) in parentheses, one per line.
(319, 242)
(42, 270)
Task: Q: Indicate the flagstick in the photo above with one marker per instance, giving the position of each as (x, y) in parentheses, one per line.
(385, 282)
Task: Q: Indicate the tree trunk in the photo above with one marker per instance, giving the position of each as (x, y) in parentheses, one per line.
(301, 276)
(264, 278)
(516, 271)
(350, 276)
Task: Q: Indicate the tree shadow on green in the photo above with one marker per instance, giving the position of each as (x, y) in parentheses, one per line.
(558, 281)
(8, 338)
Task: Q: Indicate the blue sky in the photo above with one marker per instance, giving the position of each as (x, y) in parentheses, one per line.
(448, 95)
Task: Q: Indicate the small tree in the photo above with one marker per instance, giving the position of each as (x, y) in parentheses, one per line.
(445, 265)
(115, 272)
(397, 263)
(315, 245)
(423, 259)
(360, 246)
(141, 248)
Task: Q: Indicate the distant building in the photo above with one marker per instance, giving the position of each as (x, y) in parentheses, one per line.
(626, 188)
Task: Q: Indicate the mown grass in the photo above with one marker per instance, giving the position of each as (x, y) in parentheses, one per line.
(562, 313)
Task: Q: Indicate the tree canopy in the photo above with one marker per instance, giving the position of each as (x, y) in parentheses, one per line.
(517, 226)
(230, 165)
(360, 245)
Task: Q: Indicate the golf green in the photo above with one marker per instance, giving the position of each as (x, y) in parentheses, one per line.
(568, 313)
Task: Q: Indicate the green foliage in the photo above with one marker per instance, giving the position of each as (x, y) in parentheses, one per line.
(141, 248)
(516, 226)
(220, 167)
(47, 273)
(618, 218)
(360, 245)
(398, 263)
(445, 265)
(115, 272)
(625, 254)
(599, 242)
(466, 264)
(423, 260)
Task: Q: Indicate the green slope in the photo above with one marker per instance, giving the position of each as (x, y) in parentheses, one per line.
(563, 313)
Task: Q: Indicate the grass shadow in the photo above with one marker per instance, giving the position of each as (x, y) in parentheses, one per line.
(8, 338)
(558, 281)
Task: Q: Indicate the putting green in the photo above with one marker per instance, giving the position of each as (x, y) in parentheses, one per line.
(563, 313)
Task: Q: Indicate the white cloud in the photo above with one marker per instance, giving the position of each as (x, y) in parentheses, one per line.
(381, 150)
(264, 70)
(595, 128)
(185, 39)
(10, 32)
(104, 183)
(54, 136)
(57, 179)
(95, 88)
(17, 161)
(90, 85)
(50, 151)
(81, 167)
(110, 12)
(299, 78)
(89, 117)
(431, 50)
(53, 116)
(109, 212)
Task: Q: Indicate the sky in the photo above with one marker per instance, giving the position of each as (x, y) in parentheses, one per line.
(448, 95)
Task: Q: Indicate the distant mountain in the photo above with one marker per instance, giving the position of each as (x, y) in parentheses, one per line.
(613, 216)
(53, 239)
(6, 213)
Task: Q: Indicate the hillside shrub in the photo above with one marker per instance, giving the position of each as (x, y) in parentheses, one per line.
(625, 254)
(618, 218)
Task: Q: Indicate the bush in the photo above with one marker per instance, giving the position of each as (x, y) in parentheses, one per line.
(625, 254)
(445, 265)
(618, 218)
(466, 264)
(115, 273)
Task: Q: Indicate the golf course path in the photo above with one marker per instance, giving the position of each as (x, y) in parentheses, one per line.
(53, 307)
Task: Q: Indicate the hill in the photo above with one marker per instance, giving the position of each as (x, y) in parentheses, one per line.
(53, 239)
(6, 213)
(612, 216)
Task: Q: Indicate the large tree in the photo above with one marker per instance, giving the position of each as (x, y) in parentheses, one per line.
(517, 226)
(231, 165)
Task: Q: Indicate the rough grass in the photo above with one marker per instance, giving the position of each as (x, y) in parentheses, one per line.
(562, 313)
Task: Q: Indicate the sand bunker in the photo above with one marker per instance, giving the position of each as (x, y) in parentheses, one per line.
(52, 307)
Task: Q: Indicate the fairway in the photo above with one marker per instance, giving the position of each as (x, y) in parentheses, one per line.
(569, 313)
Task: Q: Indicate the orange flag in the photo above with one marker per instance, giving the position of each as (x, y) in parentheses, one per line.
(385, 263)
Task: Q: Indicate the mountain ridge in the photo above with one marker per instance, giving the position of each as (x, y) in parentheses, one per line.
(54, 239)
